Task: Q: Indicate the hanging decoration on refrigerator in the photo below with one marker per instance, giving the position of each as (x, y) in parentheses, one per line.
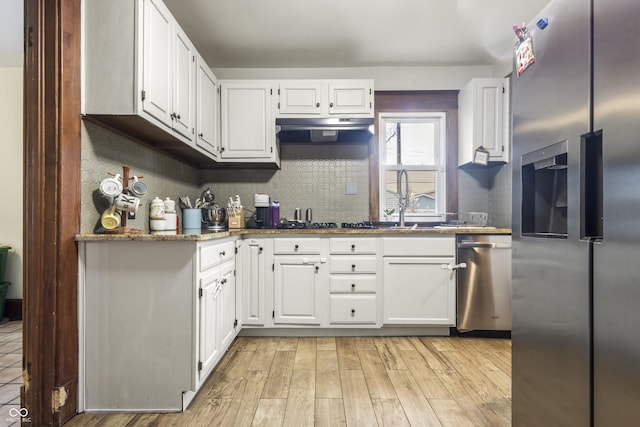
(523, 49)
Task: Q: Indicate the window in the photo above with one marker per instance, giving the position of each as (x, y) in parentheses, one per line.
(415, 142)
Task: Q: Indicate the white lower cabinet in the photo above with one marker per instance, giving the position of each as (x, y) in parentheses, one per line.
(155, 318)
(419, 288)
(255, 257)
(210, 304)
(297, 290)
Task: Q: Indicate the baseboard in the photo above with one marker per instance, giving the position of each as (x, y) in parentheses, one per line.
(13, 309)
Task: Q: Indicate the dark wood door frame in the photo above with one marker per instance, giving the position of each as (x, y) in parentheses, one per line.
(51, 209)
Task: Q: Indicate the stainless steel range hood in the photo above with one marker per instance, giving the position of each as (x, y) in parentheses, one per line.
(332, 129)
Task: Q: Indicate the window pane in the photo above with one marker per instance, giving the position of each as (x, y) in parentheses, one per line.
(414, 141)
(422, 185)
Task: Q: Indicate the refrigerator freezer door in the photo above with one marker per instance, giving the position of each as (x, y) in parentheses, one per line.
(550, 336)
(616, 279)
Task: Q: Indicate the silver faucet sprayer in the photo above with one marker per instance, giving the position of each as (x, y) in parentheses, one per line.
(403, 202)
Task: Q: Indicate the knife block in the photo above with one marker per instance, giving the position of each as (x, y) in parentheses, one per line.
(237, 220)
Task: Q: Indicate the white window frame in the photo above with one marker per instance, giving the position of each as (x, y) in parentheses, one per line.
(440, 166)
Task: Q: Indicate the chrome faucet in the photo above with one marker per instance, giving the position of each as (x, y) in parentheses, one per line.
(403, 202)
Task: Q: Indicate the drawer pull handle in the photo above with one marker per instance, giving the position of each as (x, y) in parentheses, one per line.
(353, 312)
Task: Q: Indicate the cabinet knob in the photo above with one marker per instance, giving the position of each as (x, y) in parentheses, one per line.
(317, 105)
(317, 268)
(353, 312)
(178, 116)
(353, 247)
(223, 253)
(224, 281)
(221, 149)
(295, 248)
(353, 286)
(353, 266)
(331, 104)
(201, 135)
(260, 249)
(173, 115)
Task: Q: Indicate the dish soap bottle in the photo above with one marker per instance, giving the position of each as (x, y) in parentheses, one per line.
(275, 214)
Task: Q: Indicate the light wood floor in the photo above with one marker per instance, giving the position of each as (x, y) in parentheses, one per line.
(353, 381)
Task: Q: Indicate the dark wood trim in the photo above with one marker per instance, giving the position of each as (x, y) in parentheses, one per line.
(412, 101)
(52, 209)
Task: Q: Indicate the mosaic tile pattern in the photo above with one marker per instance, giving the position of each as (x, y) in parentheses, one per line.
(311, 176)
(104, 151)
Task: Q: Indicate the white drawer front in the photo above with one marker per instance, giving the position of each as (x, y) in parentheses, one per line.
(419, 246)
(212, 255)
(353, 283)
(352, 309)
(359, 264)
(359, 246)
(296, 246)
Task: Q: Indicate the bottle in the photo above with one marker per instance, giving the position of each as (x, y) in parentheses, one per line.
(275, 214)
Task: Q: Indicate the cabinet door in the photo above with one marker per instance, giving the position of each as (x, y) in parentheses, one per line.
(488, 110)
(419, 291)
(207, 110)
(158, 34)
(297, 290)
(351, 97)
(184, 85)
(209, 336)
(227, 313)
(247, 126)
(300, 97)
(253, 284)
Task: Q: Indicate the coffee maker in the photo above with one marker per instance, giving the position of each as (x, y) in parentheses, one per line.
(261, 203)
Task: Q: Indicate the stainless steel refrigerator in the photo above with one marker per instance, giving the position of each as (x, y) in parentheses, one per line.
(576, 218)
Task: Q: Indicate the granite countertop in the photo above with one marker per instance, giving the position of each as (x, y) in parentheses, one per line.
(213, 235)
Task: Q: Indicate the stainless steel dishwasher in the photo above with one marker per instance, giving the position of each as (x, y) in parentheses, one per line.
(484, 286)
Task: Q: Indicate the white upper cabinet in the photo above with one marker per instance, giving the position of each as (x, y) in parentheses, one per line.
(207, 102)
(139, 75)
(483, 119)
(301, 97)
(351, 97)
(157, 43)
(247, 125)
(184, 85)
(325, 98)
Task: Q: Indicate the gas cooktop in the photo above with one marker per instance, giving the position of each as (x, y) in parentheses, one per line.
(294, 225)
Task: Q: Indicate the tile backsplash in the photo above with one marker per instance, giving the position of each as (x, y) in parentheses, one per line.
(310, 176)
(105, 151)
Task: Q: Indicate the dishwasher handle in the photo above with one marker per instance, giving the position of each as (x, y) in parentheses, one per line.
(471, 244)
(451, 267)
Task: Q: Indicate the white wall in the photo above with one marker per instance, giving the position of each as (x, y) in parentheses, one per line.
(386, 78)
(11, 173)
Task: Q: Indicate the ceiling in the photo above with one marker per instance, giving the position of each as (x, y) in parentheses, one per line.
(330, 33)
(351, 33)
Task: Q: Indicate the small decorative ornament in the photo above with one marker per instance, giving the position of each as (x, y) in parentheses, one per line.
(481, 156)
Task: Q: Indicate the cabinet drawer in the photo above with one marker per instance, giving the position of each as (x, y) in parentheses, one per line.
(212, 255)
(346, 246)
(352, 309)
(419, 246)
(296, 246)
(359, 264)
(353, 283)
